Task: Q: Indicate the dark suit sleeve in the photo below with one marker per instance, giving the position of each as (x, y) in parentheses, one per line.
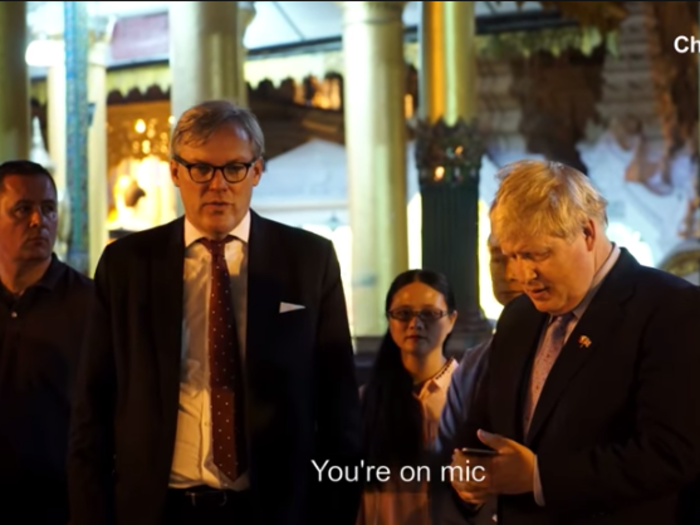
(337, 399)
(663, 452)
(459, 395)
(463, 414)
(91, 449)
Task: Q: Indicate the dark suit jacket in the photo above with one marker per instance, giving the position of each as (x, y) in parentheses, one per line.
(302, 399)
(616, 429)
(465, 382)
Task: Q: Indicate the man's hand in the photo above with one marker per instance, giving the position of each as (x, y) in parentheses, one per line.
(511, 471)
(470, 477)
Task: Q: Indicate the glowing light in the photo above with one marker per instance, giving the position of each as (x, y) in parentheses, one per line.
(624, 236)
(44, 53)
(140, 126)
(491, 307)
(408, 105)
(414, 217)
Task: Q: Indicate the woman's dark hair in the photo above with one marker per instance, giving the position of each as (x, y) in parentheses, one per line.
(392, 416)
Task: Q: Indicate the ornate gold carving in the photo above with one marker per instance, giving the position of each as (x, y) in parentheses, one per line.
(674, 76)
(606, 16)
(555, 41)
(322, 94)
(558, 97)
(662, 76)
(138, 131)
(141, 78)
(683, 264)
(448, 155)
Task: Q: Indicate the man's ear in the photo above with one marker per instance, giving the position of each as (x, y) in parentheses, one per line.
(590, 233)
(257, 171)
(174, 175)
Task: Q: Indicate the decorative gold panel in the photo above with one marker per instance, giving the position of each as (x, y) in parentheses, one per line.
(683, 264)
(138, 130)
(141, 78)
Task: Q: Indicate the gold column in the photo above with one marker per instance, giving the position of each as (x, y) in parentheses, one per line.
(205, 61)
(15, 127)
(448, 62)
(97, 149)
(246, 13)
(375, 141)
(448, 156)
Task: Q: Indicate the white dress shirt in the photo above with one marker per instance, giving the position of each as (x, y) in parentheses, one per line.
(193, 461)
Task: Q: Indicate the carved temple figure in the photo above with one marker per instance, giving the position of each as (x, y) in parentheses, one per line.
(619, 166)
(128, 215)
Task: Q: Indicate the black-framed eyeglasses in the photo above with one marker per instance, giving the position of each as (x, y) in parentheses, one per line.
(202, 172)
(427, 315)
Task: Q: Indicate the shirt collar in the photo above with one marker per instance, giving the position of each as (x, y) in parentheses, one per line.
(241, 232)
(52, 273)
(598, 279)
(47, 281)
(441, 380)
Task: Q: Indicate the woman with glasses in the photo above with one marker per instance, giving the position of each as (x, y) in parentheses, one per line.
(404, 396)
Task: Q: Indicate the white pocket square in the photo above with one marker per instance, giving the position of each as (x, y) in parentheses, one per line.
(289, 307)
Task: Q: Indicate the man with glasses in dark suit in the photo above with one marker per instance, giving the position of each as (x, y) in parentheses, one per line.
(220, 361)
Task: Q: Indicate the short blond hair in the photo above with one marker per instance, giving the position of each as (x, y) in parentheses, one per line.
(544, 198)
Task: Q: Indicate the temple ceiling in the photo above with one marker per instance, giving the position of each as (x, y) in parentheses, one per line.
(275, 23)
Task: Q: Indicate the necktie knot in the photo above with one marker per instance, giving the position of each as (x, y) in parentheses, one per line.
(216, 247)
(562, 322)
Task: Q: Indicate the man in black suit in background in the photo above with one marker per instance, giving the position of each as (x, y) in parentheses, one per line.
(590, 396)
(219, 360)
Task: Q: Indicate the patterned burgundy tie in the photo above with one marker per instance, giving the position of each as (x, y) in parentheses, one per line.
(224, 368)
(544, 361)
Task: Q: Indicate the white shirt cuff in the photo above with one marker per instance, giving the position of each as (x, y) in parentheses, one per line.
(539, 497)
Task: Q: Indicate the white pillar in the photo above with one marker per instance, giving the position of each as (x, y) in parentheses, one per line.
(246, 13)
(375, 141)
(56, 134)
(97, 149)
(204, 55)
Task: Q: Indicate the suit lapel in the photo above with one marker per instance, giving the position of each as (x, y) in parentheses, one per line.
(166, 299)
(589, 337)
(508, 368)
(264, 295)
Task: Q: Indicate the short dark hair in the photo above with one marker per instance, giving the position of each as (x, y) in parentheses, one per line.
(24, 168)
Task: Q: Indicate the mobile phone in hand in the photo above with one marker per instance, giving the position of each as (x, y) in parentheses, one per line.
(482, 452)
